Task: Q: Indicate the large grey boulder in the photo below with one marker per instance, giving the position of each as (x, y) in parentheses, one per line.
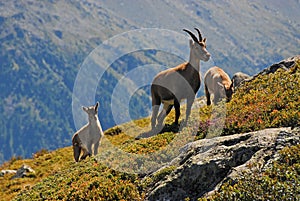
(204, 165)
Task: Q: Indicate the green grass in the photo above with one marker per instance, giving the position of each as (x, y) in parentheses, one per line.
(85, 181)
(268, 101)
(44, 163)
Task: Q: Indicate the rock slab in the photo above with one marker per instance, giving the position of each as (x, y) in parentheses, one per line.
(204, 165)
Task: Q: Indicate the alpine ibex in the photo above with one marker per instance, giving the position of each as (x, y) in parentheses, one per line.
(181, 82)
(88, 135)
(238, 78)
(217, 82)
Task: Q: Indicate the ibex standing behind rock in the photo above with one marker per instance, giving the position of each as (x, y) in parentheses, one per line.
(88, 135)
(238, 78)
(217, 82)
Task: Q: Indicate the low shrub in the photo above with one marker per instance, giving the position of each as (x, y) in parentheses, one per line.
(268, 101)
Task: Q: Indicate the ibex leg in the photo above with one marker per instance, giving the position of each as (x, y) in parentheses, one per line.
(165, 111)
(177, 111)
(207, 96)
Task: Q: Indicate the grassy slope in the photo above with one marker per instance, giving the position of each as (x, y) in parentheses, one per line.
(58, 177)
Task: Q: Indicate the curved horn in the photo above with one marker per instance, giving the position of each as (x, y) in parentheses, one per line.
(192, 35)
(200, 36)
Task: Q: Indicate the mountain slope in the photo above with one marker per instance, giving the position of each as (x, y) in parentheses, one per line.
(58, 177)
(44, 43)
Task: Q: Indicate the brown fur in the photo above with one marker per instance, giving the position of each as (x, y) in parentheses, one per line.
(169, 87)
(78, 147)
(217, 82)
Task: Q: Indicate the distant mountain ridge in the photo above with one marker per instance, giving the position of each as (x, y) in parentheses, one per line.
(43, 44)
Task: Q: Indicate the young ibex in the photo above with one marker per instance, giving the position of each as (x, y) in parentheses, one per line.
(88, 135)
(217, 82)
(181, 82)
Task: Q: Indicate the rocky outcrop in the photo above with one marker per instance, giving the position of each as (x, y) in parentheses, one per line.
(204, 165)
(284, 64)
(23, 171)
(4, 172)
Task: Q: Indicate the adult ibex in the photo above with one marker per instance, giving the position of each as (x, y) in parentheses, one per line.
(181, 82)
(88, 135)
(238, 78)
(217, 82)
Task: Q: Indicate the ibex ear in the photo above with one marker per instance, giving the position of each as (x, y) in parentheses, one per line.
(191, 42)
(204, 40)
(96, 106)
(85, 109)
